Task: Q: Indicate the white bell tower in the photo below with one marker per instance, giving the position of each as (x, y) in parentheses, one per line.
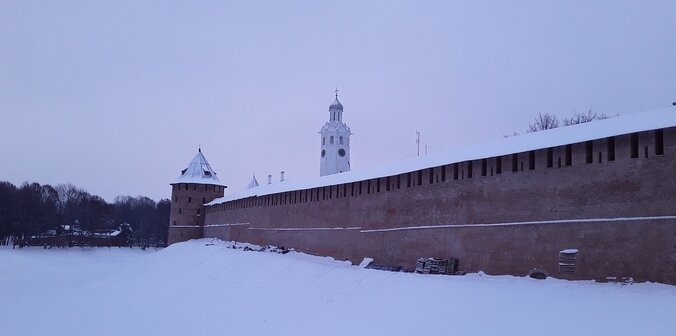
(335, 140)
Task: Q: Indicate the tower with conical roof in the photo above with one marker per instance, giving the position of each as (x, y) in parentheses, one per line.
(335, 140)
(196, 186)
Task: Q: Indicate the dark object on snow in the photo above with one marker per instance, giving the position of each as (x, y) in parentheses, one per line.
(436, 266)
(538, 275)
(391, 268)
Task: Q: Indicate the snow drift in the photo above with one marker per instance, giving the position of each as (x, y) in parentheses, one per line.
(204, 287)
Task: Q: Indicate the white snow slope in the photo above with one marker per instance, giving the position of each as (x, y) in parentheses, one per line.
(194, 289)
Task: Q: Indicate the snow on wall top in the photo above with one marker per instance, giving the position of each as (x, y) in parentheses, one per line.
(630, 123)
(199, 171)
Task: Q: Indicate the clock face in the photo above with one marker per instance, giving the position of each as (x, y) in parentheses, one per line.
(323, 153)
(341, 152)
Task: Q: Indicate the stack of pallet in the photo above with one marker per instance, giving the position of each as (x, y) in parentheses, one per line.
(436, 266)
(567, 261)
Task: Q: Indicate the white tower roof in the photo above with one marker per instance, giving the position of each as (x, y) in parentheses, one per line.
(198, 171)
(253, 183)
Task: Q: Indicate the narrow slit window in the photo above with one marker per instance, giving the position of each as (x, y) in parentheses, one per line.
(455, 171)
(610, 143)
(398, 181)
(569, 155)
(469, 169)
(408, 179)
(589, 150)
(431, 173)
(443, 173)
(659, 142)
(550, 157)
(378, 185)
(634, 145)
(484, 167)
(498, 165)
(419, 178)
(368, 187)
(515, 162)
(531, 160)
(387, 183)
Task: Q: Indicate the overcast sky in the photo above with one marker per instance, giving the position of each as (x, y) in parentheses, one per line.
(116, 96)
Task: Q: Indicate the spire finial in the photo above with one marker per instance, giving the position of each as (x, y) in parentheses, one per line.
(336, 92)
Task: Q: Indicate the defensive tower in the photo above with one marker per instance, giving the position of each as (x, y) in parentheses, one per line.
(196, 186)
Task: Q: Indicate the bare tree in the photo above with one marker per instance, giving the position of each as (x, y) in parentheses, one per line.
(543, 122)
(579, 118)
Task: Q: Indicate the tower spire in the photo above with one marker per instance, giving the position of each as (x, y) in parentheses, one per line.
(336, 92)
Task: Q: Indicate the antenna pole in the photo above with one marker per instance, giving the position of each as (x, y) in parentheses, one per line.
(417, 141)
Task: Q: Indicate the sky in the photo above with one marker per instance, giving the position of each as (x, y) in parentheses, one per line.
(117, 96)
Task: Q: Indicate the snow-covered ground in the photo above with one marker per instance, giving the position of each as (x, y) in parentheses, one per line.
(195, 289)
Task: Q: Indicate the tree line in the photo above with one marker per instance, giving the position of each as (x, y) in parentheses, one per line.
(548, 121)
(31, 209)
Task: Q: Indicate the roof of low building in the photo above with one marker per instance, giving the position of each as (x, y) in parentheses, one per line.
(599, 129)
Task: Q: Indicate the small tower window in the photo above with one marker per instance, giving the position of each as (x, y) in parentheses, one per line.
(331, 140)
(179, 211)
(324, 141)
(189, 199)
(341, 140)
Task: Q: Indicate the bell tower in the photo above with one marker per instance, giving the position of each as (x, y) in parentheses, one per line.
(196, 186)
(335, 142)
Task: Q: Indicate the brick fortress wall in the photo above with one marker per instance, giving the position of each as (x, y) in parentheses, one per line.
(613, 199)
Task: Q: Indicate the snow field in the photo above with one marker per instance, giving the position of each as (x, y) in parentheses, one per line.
(196, 288)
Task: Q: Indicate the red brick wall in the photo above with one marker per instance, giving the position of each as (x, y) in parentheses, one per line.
(644, 249)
